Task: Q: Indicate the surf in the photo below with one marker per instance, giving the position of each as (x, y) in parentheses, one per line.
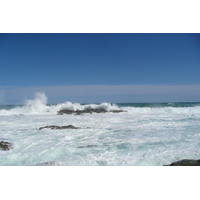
(39, 105)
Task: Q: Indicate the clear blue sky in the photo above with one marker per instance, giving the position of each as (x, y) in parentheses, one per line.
(100, 67)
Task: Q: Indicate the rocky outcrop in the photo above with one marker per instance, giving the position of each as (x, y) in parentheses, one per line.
(59, 127)
(5, 146)
(79, 112)
(185, 162)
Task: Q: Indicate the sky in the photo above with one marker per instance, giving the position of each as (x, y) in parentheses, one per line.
(100, 67)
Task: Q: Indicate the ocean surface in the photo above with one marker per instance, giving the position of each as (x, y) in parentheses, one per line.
(145, 134)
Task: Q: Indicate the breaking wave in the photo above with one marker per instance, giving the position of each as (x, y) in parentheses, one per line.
(39, 105)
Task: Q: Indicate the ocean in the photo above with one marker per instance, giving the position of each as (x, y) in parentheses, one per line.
(144, 134)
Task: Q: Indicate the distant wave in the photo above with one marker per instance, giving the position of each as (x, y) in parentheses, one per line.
(39, 105)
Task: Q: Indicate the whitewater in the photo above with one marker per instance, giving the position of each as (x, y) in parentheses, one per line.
(142, 135)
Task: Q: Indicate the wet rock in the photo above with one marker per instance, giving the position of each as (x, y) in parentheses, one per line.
(5, 146)
(185, 162)
(79, 112)
(87, 146)
(59, 127)
(48, 164)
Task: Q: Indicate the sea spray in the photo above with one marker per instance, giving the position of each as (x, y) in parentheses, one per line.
(38, 105)
(34, 106)
(144, 135)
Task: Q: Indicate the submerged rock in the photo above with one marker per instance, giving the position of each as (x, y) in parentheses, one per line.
(48, 164)
(5, 146)
(59, 127)
(88, 146)
(185, 162)
(19, 115)
(79, 112)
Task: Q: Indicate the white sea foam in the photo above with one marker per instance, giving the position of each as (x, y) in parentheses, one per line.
(163, 110)
(140, 136)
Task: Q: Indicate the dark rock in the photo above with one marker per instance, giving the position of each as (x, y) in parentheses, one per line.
(79, 112)
(117, 111)
(185, 162)
(87, 146)
(48, 164)
(19, 115)
(5, 146)
(59, 127)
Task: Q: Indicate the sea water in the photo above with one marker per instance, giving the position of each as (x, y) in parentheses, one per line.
(142, 135)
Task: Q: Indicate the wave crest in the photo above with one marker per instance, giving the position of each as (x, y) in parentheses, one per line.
(38, 105)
